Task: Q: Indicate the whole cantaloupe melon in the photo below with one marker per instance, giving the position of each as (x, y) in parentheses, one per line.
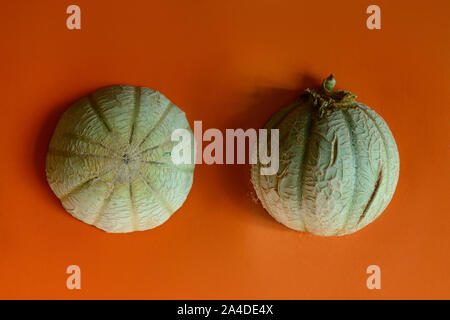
(109, 160)
(338, 167)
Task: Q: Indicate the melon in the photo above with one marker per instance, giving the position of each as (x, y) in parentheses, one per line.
(338, 164)
(109, 159)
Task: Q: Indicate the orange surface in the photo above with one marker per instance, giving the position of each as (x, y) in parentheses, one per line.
(230, 64)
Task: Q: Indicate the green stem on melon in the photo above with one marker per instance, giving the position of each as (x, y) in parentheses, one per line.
(329, 83)
(327, 100)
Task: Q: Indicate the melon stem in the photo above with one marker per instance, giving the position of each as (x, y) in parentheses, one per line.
(329, 83)
(327, 100)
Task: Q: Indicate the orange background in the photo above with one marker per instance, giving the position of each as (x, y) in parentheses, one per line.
(230, 64)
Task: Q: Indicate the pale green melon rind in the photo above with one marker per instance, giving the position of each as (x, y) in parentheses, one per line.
(85, 155)
(364, 140)
(296, 154)
(392, 162)
(273, 189)
(328, 175)
(370, 156)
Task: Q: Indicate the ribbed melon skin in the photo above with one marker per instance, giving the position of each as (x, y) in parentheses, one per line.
(337, 172)
(109, 159)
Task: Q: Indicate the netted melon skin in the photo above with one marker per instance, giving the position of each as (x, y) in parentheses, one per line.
(109, 159)
(338, 170)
